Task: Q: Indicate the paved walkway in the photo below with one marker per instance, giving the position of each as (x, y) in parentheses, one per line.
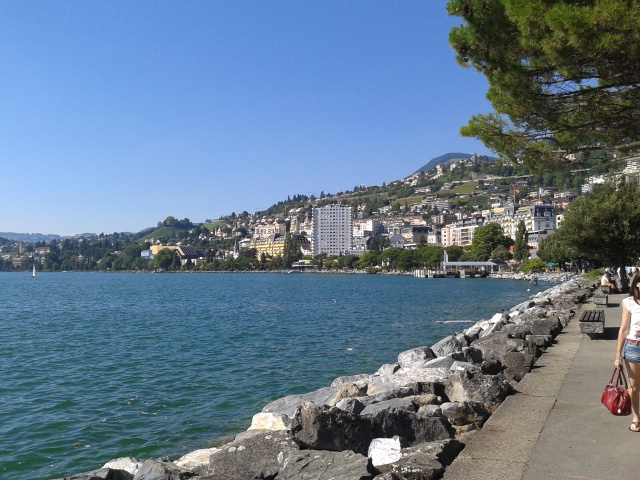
(556, 427)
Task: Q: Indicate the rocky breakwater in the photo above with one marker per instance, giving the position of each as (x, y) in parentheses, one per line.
(407, 421)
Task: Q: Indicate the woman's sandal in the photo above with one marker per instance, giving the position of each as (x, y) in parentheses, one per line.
(636, 427)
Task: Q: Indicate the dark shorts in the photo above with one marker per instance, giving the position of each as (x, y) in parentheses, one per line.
(632, 352)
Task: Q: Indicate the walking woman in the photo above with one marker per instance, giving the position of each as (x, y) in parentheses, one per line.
(629, 347)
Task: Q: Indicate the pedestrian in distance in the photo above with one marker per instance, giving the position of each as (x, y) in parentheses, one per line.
(628, 348)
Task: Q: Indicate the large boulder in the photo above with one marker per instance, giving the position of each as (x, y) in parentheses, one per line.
(465, 413)
(260, 455)
(391, 393)
(399, 403)
(101, 474)
(407, 376)
(319, 427)
(415, 357)
(348, 379)
(490, 390)
(324, 396)
(197, 461)
(329, 428)
(129, 464)
(517, 364)
(161, 469)
(547, 326)
(447, 360)
(410, 427)
(450, 344)
(323, 465)
(351, 405)
(270, 421)
(414, 465)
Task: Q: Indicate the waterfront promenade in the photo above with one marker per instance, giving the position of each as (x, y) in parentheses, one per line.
(556, 427)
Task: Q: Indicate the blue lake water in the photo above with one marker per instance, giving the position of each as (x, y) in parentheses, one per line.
(97, 366)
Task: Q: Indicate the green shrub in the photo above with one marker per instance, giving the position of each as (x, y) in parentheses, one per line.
(595, 275)
(533, 265)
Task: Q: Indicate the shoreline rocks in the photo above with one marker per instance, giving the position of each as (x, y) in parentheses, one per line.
(407, 421)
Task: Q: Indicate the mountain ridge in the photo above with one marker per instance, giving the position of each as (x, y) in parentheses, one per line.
(447, 158)
(38, 237)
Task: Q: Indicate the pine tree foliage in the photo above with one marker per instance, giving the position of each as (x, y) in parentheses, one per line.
(563, 76)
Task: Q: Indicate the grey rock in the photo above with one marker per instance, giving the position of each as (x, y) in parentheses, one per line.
(257, 456)
(542, 342)
(318, 427)
(490, 390)
(388, 369)
(323, 465)
(425, 399)
(465, 413)
(388, 476)
(161, 469)
(431, 410)
(351, 405)
(384, 395)
(466, 366)
(449, 345)
(415, 465)
(445, 450)
(445, 361)
(287, 405)
(129, 464)
(411, 427)
(517, 364)
(415, 357)
(514, 331)
(473, 333)
(350, 379)
(329, 428)
(101, 474)
(197, 461)
(399, 403)
(407, 376)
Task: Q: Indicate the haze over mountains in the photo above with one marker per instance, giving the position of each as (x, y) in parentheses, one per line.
(40, 237)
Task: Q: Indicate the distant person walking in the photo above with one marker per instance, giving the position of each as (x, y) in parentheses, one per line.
(628, 348)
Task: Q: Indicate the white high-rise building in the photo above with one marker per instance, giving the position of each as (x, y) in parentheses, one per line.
(332, 230)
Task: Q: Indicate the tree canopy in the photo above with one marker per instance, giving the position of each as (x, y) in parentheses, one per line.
(602, 226)
(563, 76)
(486, 239)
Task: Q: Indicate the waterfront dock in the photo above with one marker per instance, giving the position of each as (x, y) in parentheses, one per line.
(555, 426)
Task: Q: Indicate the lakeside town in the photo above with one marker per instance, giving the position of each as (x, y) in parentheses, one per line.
(472, 207)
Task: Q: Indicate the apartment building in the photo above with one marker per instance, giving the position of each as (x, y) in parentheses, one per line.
(461, 232)
(269, 230)
(332, 230)
(366, 228)
(536, 218)
(274, 245)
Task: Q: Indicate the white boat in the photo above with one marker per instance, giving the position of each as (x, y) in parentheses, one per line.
(33, 275)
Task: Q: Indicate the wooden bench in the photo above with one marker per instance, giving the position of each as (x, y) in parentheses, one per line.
(601, 299)
(592, 322)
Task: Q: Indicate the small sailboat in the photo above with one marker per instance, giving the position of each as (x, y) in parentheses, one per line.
(33, 274)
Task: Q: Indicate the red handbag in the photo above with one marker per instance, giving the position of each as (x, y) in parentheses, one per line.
(615, 396)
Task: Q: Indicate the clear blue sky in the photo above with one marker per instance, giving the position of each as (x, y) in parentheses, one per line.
(117, 114)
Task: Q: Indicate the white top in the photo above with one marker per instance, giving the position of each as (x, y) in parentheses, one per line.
(634, 326)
